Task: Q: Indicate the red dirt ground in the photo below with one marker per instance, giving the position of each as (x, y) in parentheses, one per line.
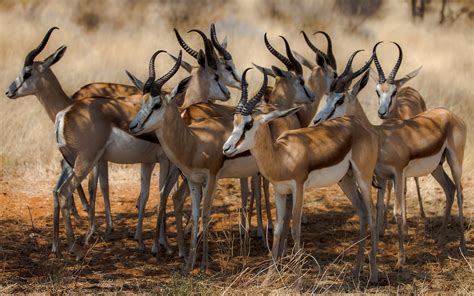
(116, 265)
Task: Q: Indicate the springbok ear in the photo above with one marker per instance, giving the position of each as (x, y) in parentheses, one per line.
(137, 82)
(186, 66)
(374, 75)
(201, 59)
(360, 84)
(281, 73)
(403, 80)
(52, 59)
(178, 89)
(224, 42)
(279, 113)
(264, 70)
(320, 60)
(307, 63)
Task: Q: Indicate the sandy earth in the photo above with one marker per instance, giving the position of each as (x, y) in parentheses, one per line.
(116, 265)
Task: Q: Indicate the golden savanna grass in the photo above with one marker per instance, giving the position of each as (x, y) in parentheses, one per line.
(106, 37)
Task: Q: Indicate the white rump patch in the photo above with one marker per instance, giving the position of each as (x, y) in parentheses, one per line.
(59, 127)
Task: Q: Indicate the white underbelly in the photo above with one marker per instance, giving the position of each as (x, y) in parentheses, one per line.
(241, 167)
(125, 148)
(329, 175)
(424, 166)
(318, 178)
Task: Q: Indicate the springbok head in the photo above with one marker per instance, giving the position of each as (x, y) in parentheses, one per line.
(247, 122)
(34, 71)
(225, 65)
(154, 102)
(327, 70)
(341, 98)
(291, 81)
(207, 77)
(386, 89)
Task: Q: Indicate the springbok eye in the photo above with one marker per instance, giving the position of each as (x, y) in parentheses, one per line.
(394, 93)
(228, 68)
(334, 75)
(248, 125)
(156, 106)
(216, 77)
(378, 95)
(26, 75)
(340, 101)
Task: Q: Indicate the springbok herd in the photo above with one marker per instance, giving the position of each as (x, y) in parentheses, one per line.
(275, 137)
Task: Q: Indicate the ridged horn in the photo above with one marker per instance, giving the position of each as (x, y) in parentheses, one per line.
(377, 64)
(243, 98)
(257, 98)
(391, 77)
(151, 72)
(184, 45)
(32, 54)
(314, 48)
(329, 52)
(158, 84)
(208, 49)
(296, 65)
(222, 51)
(278, 55)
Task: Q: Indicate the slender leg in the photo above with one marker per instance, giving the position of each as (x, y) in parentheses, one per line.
(104, 188)
(381, 208)
(146, 171)
(280, 201)
(399, 205)
(448, 187)
(256, 189)
(196, 191)
(296, 215)
(166, 185)
(348, 186)
(92, 193)
(206, 216)
(455, 163)
(244, 192)
(73, 210)
(266, 193)
(250, 211)
(65, 173)
(420, 201)
(82, 197)
(178, 196)
(387, 208)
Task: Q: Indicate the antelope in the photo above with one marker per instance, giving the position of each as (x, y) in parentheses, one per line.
(36, 78)
(404, 103)
(407, 148)
(322, 75)
(339, 151)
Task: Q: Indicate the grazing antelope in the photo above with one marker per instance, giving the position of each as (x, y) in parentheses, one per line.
(404, 103)
(339, 151)
(407, 148)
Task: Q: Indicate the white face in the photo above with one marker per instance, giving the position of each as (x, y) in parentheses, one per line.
(335, 106)
(302, 93)
(242, 137)
(150, 116)
(25, 83)
(386, 93)
(217, 89)
(229, 74)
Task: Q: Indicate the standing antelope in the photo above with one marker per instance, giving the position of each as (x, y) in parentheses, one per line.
(339, 151)
(407, 148)
(403, 103)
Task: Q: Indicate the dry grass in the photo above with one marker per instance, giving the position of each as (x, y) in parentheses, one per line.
(106, 37)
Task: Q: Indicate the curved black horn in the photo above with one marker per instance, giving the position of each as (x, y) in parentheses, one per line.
(377, 63)
(227, 56)
(32, 54)
(278, 55)
(244, 96)
(314, 48)
(185, 46)
(158, 84)
(208, 49)
(344, 80)
(296, 65)
(391, 77)
(329, 52)
(151, 72)
(257, 98)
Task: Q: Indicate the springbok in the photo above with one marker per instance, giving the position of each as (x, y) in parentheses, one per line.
(407, 148)
(340, 151)
(36, 78)
(322, 75)
(404, 103)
